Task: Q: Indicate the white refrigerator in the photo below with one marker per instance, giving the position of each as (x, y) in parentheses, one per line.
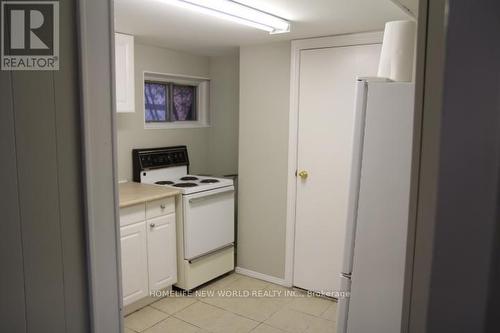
(374, 256)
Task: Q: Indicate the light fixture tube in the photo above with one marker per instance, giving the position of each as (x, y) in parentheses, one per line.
(236, 12)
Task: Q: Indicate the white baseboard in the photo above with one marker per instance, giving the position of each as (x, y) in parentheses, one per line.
(260, 276)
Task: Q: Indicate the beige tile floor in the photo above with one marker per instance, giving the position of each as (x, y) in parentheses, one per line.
(208, 311)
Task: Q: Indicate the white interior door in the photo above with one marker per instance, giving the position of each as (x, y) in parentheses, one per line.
(325, 137)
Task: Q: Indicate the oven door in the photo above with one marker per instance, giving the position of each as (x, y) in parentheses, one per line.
(208, 221)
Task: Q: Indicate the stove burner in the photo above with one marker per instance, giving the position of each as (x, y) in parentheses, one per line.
(209, 180)
(185, 184)
(189, 178)
(164, 182)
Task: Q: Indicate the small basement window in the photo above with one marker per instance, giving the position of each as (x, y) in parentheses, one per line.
(172, 101)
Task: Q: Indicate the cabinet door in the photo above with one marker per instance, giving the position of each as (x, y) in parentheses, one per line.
(134, 262)
(162, 258)
(124, 73)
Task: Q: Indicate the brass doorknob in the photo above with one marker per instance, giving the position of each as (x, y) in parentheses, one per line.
(303, 174)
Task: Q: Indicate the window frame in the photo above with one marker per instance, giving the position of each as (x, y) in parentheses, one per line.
(202, 99)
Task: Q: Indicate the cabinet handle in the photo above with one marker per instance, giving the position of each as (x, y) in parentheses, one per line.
(193, 200)
(152, 225)
(162, 206)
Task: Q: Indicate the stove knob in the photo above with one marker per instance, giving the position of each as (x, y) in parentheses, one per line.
(152, 225)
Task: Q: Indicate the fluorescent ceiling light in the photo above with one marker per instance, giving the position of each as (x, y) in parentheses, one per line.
(236, 12)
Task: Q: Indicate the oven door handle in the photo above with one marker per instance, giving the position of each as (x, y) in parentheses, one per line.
(198, 199)
(201, 256)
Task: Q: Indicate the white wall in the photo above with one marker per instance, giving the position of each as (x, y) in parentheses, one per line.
(261, 76)
(263, 157)
(211, 150)
(224, 100)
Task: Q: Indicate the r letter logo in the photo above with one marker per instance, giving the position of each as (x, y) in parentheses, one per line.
(30, 35)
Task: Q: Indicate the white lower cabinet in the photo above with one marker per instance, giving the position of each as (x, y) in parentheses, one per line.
(162, 252)
(148, 252)
(134, 262)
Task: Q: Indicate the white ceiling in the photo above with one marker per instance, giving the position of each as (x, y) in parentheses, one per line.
(158, 23)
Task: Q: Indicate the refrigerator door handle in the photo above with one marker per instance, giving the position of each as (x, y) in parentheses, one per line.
(355, 175)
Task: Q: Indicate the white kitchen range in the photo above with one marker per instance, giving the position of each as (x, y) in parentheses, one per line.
(204, 214)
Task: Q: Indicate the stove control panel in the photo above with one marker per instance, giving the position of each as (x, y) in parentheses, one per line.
(162, 159)
(155, 158)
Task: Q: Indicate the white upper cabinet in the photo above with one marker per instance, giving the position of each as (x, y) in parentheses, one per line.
(124, 73)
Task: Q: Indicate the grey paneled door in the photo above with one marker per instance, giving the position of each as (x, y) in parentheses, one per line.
(42, 252)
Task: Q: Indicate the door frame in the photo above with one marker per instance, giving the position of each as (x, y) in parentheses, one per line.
(98, 119)
(366, 38)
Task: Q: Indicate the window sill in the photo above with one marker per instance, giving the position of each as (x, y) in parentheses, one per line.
(176, 125)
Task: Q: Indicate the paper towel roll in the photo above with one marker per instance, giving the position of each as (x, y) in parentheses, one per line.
(398, 49)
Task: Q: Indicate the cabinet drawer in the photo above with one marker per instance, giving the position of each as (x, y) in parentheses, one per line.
(132, 214)
(160, 207)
